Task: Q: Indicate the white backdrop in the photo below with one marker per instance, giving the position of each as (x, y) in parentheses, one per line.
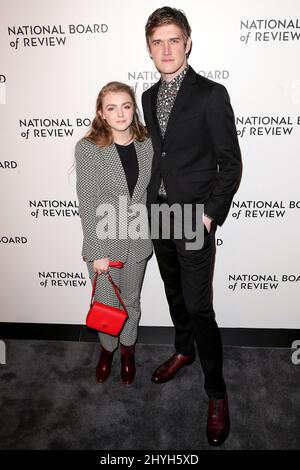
(55, 57)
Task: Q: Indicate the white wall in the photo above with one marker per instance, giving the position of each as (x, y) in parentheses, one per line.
(259, 65)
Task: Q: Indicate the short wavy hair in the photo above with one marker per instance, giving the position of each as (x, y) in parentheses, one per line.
(167, 15)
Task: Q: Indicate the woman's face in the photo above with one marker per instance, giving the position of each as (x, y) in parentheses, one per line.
(117, 110)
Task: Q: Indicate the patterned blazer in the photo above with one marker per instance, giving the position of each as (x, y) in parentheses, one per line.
(101, 180)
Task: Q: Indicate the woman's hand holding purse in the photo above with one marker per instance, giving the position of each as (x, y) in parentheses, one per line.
(101, 266)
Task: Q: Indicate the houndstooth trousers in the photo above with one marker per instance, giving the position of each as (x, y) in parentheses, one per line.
(130, 280)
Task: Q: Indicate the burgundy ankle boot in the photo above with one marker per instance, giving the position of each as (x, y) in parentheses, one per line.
(127, 364)
(104, 365)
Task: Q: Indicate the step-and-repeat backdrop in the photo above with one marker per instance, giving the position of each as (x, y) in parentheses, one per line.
(55, 57)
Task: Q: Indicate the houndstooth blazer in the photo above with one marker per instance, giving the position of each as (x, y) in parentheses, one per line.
(101, 180)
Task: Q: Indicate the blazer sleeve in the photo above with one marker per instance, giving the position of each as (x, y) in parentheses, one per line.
(222, 130)
(86, 186)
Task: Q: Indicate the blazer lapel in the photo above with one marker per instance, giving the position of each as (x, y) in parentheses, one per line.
(153, 114)
(180, 102)
(144, 168)
(182, 98)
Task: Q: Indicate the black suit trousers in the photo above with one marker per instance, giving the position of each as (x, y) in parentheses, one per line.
(187, 277)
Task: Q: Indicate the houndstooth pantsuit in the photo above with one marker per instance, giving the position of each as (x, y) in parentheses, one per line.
(101, 180)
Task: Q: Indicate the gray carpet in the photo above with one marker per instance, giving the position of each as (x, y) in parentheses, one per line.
(49, 399)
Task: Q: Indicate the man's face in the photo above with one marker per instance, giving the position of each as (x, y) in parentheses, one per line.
(168, 50)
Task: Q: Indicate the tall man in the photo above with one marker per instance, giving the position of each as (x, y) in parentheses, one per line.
(196, 160)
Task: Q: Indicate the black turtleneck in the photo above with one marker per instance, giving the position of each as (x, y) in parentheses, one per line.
(129, 161)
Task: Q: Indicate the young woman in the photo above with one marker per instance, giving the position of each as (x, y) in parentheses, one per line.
(113, 167)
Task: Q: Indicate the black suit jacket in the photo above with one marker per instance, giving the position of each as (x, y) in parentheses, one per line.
(199, 158)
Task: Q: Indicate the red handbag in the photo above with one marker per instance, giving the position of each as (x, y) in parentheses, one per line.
(103, 317)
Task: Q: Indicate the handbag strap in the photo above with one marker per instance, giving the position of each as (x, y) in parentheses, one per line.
(115, 264)
(117, 290)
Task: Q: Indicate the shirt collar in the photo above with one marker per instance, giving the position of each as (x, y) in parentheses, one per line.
(176, 80)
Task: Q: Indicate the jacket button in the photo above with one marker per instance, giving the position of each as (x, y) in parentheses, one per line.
(163, 154)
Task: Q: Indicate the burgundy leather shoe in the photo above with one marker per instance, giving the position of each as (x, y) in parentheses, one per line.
(218, 424)
(127, 364)
(104, 365)
(168, 369)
